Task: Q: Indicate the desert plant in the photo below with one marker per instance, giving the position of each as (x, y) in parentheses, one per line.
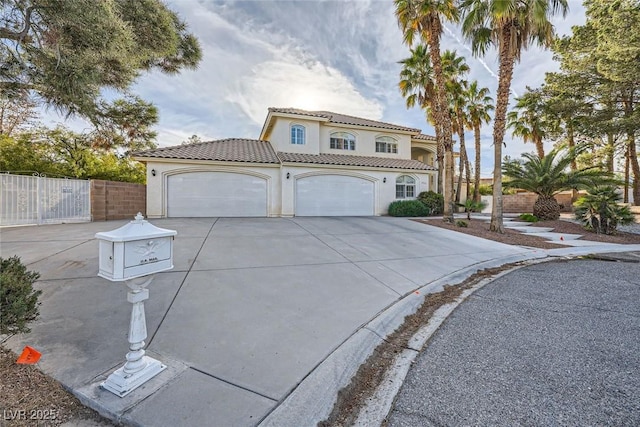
(471, 206)
(550, 175)
(433, 201)
(600, 212)
(408, 208)
(461, 223)
(18, 299)
(528, 217)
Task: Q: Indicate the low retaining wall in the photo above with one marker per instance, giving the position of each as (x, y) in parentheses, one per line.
(112, 200)
(523, 202)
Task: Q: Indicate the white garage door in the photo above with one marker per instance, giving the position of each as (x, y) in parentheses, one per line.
(207, 194)
(334, 195)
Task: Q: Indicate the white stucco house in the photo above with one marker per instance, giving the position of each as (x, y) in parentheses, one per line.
(305, 163)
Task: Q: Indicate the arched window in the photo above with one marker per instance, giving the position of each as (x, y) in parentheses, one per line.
(297, 134)
(405, 187)
(386, 144)
(342, 141)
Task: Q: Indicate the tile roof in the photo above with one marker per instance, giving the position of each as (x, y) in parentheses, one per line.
(231, 149)
(343, 119)
(424, 137)
(349, 160)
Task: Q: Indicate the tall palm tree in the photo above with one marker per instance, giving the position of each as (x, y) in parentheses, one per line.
(479, 105)
(454, 68)
(510, 25)
(417, 85)
(550, 175)
(423, 18)
(527, 120)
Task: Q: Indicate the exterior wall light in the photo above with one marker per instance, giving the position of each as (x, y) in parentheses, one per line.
(384, 180)
(153, 172)
(288, 175)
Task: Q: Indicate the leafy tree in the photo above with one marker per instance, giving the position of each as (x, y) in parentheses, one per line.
(66, 52)
(600, 210)
(423, 19)
(16, 112)
(599, 71)
(60, 152)
(510, 25)
(479, 105)
(193, 139)
(125, 125)
(550, 175)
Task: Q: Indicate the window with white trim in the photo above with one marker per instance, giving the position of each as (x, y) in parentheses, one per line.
(342, 141)
(405, 187)
(297, 134)
(386, 144)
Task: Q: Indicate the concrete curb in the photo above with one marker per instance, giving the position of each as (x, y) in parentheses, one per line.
(313, 399)
(378, 406)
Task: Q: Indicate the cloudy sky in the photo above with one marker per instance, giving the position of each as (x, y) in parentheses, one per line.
(340, 56)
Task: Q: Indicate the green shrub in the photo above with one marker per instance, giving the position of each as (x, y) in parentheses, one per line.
(433, 201)
(528, 217)
(470, 206)
(408, 208)
(600, 212)
(485, 190)
(18, 299)
(461, 223)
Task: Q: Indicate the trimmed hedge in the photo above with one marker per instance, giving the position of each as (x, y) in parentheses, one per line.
(433, 201)
(408, 208)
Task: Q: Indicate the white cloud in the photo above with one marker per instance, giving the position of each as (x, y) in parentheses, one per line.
(281, 83)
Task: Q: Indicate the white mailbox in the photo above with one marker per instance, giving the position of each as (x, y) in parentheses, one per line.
(134, 250)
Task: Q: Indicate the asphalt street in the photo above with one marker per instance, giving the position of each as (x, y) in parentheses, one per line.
(552, 344)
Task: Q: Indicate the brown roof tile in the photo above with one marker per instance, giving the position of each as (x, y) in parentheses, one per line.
(231, 149)
(424, 137)
(343, 119)
(348, 160)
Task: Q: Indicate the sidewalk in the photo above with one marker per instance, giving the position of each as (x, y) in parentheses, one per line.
(261, 322)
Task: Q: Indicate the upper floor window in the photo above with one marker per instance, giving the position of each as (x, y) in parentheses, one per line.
(405, 187)
(297, 134)
(342, 141)
(386, 144)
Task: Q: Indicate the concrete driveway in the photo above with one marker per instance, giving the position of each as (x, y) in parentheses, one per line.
(260, 322)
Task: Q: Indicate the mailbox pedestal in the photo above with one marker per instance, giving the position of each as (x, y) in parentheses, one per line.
(132, 253)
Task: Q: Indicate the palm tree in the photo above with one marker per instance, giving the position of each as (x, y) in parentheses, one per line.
(478, 109)
(550, 175)
(455, 67)
(511, 25)
(417, 85)
(423, 18)
(527, 120)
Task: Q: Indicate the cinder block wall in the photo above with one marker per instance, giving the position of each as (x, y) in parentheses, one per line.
(112, 200)
(523, 202)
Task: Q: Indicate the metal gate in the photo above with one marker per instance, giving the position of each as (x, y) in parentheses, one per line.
(41, 200)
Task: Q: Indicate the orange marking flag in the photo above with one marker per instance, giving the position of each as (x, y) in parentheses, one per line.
(29, 356)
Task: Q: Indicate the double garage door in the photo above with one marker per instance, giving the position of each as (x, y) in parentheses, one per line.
(224, 194)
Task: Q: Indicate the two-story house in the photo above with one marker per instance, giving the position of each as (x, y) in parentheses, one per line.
(305, 163)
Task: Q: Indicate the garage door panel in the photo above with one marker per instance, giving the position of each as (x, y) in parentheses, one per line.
(334, 195)
(216, 194)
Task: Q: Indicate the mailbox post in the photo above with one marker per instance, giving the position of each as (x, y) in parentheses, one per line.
(133, 253)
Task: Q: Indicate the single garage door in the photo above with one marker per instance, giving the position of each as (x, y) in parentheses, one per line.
(334, 195)
(210, 194)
